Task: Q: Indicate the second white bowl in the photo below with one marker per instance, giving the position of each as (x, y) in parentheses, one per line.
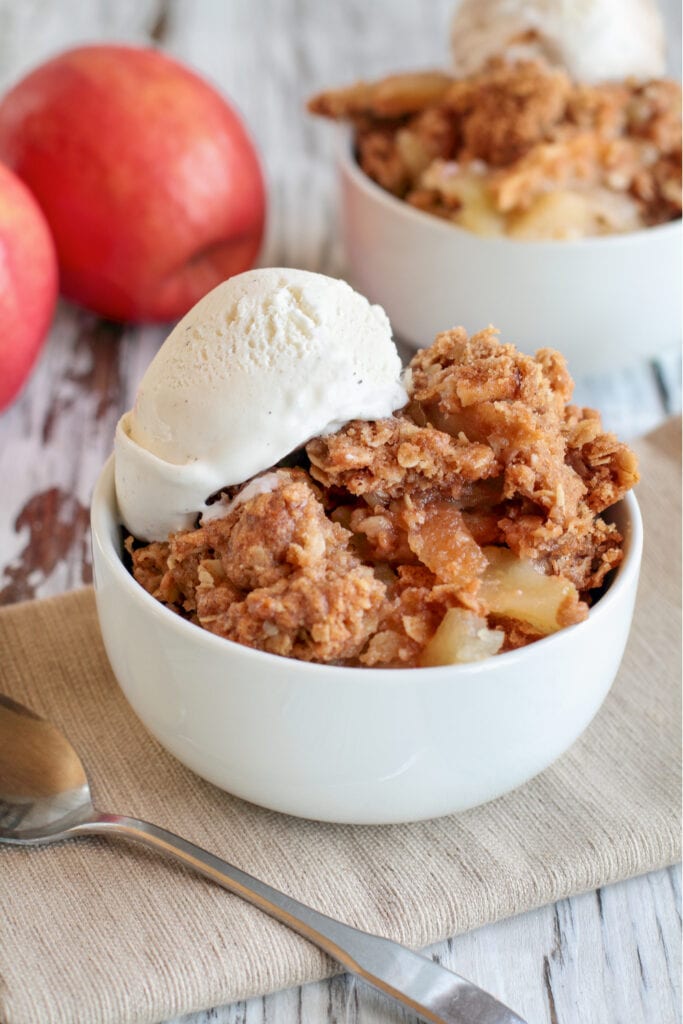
(603, 302)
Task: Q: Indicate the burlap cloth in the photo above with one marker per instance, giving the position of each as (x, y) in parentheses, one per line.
(98, 931)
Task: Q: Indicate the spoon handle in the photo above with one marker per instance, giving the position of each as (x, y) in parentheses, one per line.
(429, 990)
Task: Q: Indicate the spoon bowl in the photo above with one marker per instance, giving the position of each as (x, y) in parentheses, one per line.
(45, 797)
(44, 790)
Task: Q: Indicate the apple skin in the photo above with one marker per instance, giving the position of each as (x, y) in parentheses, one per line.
(149, 182)
(28, 283)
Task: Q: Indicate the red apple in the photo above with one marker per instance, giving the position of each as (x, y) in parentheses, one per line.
(147, 178)
(28, 283)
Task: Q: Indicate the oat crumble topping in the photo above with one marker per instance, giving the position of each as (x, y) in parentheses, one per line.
(468, 523)
(519, 149)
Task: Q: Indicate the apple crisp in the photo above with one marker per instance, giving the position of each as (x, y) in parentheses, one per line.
(468, 523)
(518, 149)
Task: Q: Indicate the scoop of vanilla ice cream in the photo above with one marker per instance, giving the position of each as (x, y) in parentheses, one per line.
(595, 40)
(261, 364)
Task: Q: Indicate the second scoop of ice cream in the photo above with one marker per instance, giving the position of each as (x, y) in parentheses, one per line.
(264, 362)
(595, 40)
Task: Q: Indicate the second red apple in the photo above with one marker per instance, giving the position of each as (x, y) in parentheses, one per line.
(147, 178)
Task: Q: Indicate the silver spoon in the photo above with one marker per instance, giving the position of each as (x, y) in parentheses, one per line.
(45, 797)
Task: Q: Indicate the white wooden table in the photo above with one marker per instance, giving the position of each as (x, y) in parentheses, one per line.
(606, 957)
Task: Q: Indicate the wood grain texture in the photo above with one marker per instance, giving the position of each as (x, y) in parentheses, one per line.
(596, 958)
(609, 957)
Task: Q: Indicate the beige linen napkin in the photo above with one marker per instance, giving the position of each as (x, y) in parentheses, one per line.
(99, 931)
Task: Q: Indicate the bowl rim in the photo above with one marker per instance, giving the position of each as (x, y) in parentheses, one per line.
(351, 169)
(104, 513)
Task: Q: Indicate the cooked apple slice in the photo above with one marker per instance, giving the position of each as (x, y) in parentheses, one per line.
(461, 637)
(515, 588)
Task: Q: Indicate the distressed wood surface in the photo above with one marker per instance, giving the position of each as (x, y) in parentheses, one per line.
(609, 957)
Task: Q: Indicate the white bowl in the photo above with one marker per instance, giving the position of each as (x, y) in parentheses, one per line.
(358, 745)
(603, 302)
